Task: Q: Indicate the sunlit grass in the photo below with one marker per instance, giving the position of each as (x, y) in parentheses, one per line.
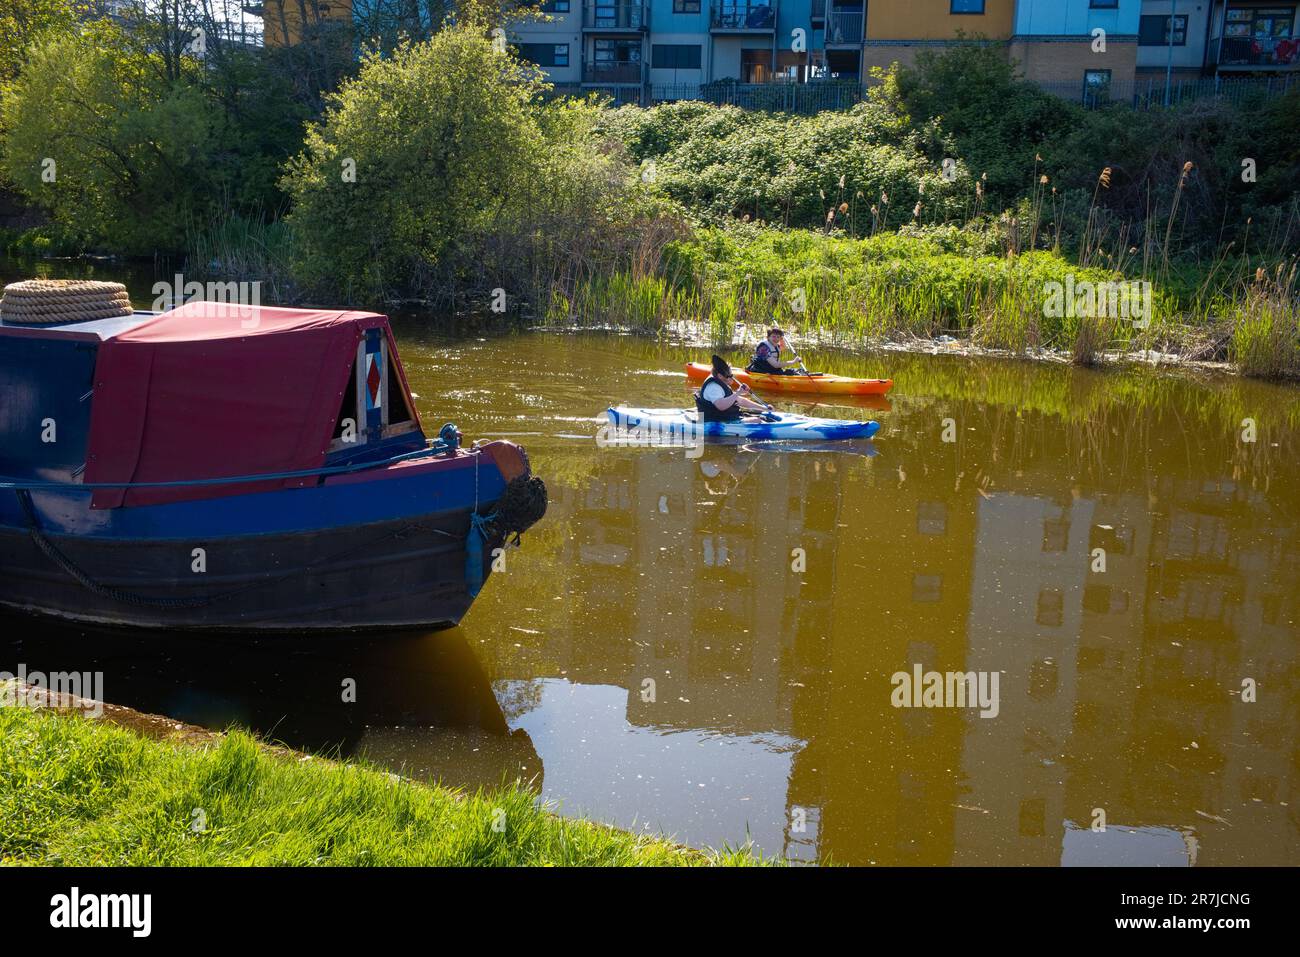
(79, 792)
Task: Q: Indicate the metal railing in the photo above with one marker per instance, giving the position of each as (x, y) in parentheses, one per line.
(743, 15)
(614, 15)
(1281, 53)
(785, 97)
(1149, 93)
(817, 96)
(615, 73)
(844, 26)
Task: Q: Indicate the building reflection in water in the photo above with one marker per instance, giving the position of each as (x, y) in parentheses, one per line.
(771, 717)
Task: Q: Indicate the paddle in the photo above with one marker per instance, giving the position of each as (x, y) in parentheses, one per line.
(742, 389)
(802, 367)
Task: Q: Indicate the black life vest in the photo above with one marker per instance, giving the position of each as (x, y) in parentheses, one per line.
(710, 412)
(763, 364)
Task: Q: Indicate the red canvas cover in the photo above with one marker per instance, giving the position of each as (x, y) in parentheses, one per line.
(212, 389)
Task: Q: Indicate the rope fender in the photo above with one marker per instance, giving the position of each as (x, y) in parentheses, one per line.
(520, 506)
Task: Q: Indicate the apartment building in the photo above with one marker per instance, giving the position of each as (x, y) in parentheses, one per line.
(667, 47)
(670, 48)
(1192, 38)
(285, 21)
(642, 50)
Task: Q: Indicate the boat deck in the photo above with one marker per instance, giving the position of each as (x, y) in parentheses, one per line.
(100, 329)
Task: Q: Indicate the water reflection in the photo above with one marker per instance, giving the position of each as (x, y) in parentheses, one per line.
(705, 646)
(421, 704)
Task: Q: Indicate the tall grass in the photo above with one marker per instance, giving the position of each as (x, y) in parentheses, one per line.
(244, 249)
(1266, 325)
(76, 792)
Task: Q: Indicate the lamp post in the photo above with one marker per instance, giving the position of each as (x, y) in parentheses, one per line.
(1169, 64)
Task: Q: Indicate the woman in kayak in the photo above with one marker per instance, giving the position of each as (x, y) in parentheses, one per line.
(767, 356)
(721, 398)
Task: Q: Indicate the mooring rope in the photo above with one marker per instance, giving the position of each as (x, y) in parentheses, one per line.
(46, 302)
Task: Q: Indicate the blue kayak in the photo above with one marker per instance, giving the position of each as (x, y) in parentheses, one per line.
(672, 423)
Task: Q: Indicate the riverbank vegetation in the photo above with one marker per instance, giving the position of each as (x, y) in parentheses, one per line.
(955, 200)
(76, 792)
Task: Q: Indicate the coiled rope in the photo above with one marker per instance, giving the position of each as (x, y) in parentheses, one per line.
(44, 302)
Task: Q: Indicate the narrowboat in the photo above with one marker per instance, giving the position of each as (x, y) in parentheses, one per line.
(234, 468)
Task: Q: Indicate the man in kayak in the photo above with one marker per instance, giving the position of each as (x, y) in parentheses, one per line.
(767, 356)
(722, 399)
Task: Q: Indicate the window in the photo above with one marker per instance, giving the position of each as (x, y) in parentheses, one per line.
(791, 66)
(1096, 85)
(1154, 31)
(610, 52)
(927, 589)
(931, 518)
(1051, 607)
(756, 65)
(1056, 534)
(1103, 4)
(555, 6)
(966, 6)
(686, 6)
(545, 54)
(675, 56)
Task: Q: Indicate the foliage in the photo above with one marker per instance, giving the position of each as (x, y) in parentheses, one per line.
(442, 166)
(830, 169)
(24, 22)
(998, 121)
(125, 148)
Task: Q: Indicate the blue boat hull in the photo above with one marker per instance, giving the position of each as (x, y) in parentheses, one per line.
(397, 551)
(682, 423)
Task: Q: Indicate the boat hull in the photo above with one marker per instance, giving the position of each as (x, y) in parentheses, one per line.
(393, 547)
(683, 424)
(820, 383)
(396, 574)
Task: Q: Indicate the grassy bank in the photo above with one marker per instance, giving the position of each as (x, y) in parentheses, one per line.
(80, 792)
(942, 281)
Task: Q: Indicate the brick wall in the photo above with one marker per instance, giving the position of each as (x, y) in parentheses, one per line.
(1060, 61)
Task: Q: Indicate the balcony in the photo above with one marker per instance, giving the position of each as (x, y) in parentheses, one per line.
(844, 26)
(1248, 53)
(614, 17)
(612, 74)
(743, 16)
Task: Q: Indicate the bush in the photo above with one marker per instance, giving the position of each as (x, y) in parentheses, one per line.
(725, 163)
(443, 169)
(125, 149)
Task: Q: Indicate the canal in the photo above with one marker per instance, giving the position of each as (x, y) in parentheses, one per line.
(705, 646)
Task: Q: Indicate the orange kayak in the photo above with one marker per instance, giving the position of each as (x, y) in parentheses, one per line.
(821, 382)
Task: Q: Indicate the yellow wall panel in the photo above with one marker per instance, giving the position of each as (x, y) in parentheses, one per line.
(932, 20)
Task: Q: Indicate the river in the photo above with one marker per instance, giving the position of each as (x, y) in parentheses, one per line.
(707, 646)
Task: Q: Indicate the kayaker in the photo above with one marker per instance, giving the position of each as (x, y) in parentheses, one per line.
(721, 398)
(767, 356)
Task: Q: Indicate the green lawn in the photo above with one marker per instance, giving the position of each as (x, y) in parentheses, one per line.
(80, 792)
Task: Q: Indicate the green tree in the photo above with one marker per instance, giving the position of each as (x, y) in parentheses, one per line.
(23, 22)
(439, 165)
(92, 135)
(999, 121)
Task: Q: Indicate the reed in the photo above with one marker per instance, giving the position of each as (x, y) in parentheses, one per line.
(1266, 325)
